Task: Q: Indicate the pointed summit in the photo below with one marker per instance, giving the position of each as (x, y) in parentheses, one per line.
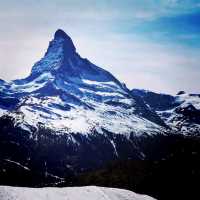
(67, 40)
(60, 49)
(61, 34)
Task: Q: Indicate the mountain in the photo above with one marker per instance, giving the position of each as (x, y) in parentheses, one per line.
(64, 90)
(69, 116)
(180, 112)
(73, 193)
(73, 123)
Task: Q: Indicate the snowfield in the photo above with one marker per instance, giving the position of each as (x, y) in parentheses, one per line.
(68, 193)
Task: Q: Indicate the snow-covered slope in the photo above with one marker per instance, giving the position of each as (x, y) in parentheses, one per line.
(181, 112)
(67, 93)
(73, 193)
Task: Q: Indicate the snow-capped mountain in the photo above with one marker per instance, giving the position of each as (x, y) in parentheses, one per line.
(67, 93)
(70, 116)
(73, 193)
(181, 112)
(67, 116)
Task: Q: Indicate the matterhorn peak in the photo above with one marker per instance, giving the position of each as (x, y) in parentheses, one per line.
(60, 34)
(60, 49)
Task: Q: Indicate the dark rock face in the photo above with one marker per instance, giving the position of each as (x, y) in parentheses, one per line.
(150, 114)
(181, 92)
(157, 102)
(68, 43)
(8, 102)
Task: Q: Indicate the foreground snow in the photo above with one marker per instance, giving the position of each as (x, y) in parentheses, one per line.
(68, 193)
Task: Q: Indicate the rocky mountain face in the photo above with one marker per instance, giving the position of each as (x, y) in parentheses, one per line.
(180, 112)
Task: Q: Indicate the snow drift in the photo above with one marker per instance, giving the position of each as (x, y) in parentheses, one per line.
(68, 193)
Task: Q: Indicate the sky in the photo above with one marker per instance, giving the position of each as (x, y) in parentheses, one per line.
(147, 44)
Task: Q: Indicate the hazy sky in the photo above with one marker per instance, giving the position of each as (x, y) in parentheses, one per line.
(150, 44)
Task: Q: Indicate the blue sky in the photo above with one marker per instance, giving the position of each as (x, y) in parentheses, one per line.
(150, 44)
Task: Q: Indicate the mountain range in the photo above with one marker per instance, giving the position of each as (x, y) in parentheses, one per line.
(180, 112)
